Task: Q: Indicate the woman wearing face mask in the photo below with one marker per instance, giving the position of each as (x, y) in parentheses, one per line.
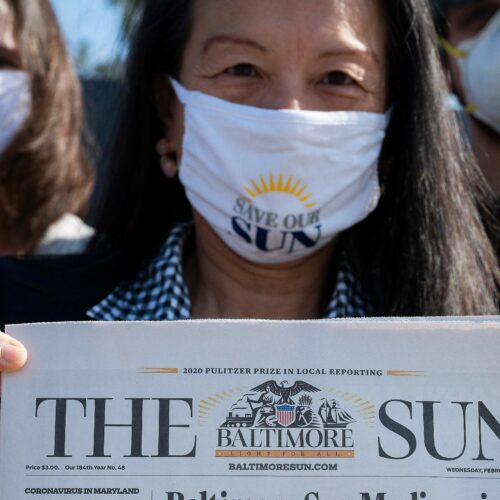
(310, 171)
(471, 30)
(44, 174)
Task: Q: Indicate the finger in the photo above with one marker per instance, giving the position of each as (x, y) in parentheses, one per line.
(13, 354)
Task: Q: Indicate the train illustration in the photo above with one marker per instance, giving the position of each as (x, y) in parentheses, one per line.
(233, 420)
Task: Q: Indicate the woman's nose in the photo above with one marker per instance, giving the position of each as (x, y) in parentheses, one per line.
(288, 94)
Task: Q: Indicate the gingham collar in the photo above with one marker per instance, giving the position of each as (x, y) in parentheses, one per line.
(159, 292)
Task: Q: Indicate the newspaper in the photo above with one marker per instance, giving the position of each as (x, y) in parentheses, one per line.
(254, 410)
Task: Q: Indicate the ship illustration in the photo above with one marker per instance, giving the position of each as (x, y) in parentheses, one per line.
(333, 416)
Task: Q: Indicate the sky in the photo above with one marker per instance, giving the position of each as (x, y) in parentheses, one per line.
(92, 21)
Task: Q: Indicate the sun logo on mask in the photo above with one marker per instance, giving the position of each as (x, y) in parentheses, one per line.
(291, 186)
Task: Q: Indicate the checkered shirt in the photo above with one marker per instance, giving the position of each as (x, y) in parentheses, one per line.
(158, 292)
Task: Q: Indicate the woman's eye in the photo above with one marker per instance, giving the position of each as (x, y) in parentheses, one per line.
(7, 65)
(337, 78)
(476, 19)
(483, 14)
(8, 60)
(245, 70)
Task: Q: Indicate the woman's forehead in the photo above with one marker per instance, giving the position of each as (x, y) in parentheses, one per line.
(314, 23)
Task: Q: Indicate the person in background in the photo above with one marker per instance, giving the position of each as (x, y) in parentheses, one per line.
(45, 176)
(471, 43)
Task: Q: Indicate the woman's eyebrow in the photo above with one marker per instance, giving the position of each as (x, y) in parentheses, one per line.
(366, 54)
(216, 39)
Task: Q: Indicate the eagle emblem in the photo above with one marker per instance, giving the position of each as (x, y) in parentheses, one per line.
(285, 392)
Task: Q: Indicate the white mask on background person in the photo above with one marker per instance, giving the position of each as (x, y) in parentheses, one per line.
(278, 185)
(479, 62)
(15, 104)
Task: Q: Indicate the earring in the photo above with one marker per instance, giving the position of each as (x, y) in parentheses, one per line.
(168, 164)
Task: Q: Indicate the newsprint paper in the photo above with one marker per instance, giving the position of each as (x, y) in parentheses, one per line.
(249, 410)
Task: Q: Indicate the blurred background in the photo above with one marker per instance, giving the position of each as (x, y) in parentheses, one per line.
(97, 33)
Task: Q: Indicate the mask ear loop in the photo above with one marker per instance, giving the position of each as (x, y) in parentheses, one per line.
(451, 49)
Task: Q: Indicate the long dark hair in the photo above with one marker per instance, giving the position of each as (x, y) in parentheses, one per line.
(424, 251)
(45, 171)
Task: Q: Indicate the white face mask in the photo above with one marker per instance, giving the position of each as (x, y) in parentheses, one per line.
(15, 104)
(480, 72)
(278, 185)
